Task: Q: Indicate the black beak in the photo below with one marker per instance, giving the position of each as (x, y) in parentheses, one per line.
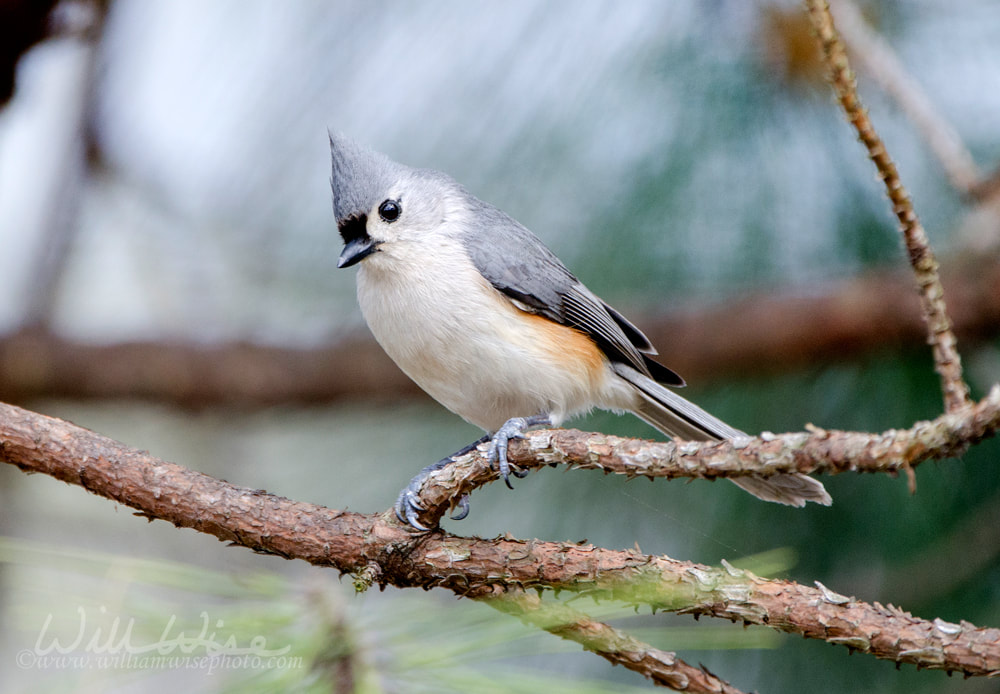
(355, 250)
(358, 245)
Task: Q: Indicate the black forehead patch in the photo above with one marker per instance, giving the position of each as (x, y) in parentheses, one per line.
(353, 228)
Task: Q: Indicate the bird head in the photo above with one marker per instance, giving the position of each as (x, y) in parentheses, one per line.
(380, 205)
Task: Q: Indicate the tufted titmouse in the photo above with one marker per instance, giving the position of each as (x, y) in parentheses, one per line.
(486, 319)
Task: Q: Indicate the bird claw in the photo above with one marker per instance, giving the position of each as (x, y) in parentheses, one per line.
(463, 508)
(408, 506)
(513, 428)
(408, 509)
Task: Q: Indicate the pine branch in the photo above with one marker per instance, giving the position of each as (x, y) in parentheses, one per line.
(662, 667)
(818, 450)
(379, 550)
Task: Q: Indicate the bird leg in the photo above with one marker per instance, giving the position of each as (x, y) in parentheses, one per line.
(408, 506)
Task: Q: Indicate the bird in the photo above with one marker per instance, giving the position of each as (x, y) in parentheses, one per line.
(476, 310)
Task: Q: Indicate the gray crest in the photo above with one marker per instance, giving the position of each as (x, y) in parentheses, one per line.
(360, 176)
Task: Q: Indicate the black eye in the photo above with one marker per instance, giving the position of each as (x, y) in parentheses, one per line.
(390, 210)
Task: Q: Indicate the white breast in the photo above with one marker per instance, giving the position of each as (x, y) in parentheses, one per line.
(466, 344)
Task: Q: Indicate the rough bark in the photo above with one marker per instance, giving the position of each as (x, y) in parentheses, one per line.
(379, 550)
(817, 450)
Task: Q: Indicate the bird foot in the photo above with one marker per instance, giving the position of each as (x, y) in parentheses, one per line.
(408, 505)
(513, 428)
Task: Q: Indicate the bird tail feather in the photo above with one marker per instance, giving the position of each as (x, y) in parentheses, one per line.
(676, 417)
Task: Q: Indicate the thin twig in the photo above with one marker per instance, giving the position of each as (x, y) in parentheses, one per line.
(66, 175)
(947, 361)
(878, 60)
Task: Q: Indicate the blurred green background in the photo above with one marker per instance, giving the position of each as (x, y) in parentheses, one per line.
(164, 177)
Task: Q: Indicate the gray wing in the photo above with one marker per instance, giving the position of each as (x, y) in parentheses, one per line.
(519, 265)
